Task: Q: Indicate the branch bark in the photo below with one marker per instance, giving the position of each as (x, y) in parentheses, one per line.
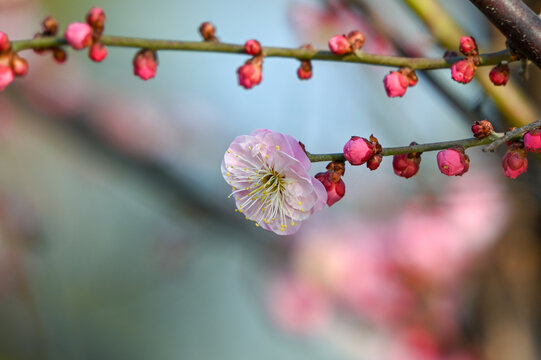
(520, 25)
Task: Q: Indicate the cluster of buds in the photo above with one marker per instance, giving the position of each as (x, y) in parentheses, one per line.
(11, 64)
(514, 161)
(346, 44)
(82, 35)
(50, 28)
(304, 72)
(332, 181)
(397, 82)
(251, 73)
(407, 165)
(463, 70)
(358, 151)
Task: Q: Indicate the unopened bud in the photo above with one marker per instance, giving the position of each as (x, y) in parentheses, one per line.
(19, 65)
(97, 52)
(250, 74)
(252, 47)
(358, 150)
(395, 84)
(356, 40)
(59, 55)
(453, 162)
(462, 71)
(514, 161)
(6, 76)
(96, 19)
(532, 140)
(207, 31)
(78, 35)
(50, 26)
(499, 75)
(467, 45)
(5, 45)
(304, 72)
(339, 45)
(145, 64)
(482, 129)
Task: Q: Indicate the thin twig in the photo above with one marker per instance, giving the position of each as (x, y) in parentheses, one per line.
(512, 135)
(301, 54)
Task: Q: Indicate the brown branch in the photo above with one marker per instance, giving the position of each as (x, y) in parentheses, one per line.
(520, 25)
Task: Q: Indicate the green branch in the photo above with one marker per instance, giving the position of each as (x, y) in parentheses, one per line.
(301, 54)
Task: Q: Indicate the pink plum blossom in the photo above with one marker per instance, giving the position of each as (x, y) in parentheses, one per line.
(532, 140)
(78, 35)
(395, 84)
(268, 172)
(453, 162)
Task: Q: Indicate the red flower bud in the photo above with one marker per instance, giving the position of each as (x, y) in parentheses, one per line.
(249, 74)
(467, 45)
(304, 72)
(145, 64)
(499, 75)
(463, 71)
(374, 161)
(395, 84)
(335, 189)
(207, 31)
(59, 55)
(6, 76)
(252, 47)
(358, 150)
(96, 19)
(532, 140)
(339, 45)
(4, 42)
(453, 162)
(482, 129)
(97, 52)
(406, 165)
(514, 162)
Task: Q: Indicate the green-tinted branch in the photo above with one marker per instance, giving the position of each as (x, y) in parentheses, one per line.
(301, 54)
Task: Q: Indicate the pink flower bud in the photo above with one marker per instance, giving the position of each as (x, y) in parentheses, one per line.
(335, 190)
(207, 31)
(499, 75)
(249, 74)
(304, 72)
(467, 45)
(395, 84)
(406, 165)
(4, 42)
(356, 40)
(532, 140)
(462, 71)
(6, 76)
(453, 162)
(514, 162)
(358, 150)
(19, 65)
(252, 47)
(97, 52)
(339, 45)
(145, 64)
(482, 129)
(78, 35)
(95, 17)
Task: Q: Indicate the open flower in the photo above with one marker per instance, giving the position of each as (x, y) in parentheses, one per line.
(271, 185)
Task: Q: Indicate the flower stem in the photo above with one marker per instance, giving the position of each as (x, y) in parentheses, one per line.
(301, 54)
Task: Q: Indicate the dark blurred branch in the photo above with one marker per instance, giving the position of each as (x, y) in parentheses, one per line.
(518, 23)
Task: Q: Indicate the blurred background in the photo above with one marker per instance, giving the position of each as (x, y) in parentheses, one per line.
(117, 239)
